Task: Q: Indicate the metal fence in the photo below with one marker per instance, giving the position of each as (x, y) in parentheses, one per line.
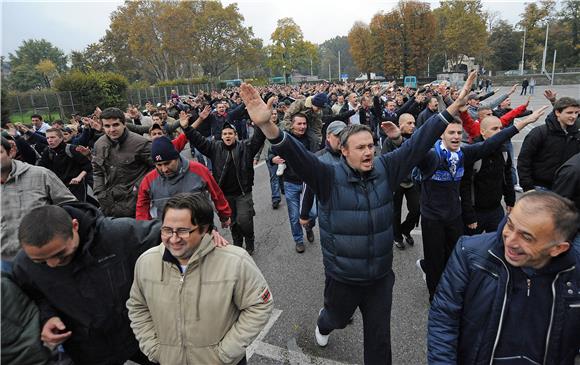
(61, 105)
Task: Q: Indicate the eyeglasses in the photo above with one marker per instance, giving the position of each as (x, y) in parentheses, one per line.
(181, 232)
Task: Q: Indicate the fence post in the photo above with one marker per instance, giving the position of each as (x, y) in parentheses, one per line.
(19, 108)
(139, 97)
(47, 107)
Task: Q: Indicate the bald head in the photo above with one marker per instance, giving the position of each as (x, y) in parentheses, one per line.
(407, 123)
(489, 126)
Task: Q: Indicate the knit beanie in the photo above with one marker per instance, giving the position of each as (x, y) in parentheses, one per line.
(320, 100)
(163, 150)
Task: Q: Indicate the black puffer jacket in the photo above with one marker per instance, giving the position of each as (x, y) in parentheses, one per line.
(90, 293)
(242, 155)
(544, 150)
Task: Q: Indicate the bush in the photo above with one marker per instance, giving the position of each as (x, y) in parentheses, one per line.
(103, 89)
(179, 82)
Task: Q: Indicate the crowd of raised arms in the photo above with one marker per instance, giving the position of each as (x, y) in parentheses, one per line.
(111, 252)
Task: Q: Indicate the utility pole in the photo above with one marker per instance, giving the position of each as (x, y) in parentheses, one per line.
(545, 52)
(238, 67)
(553, 68)
(311, 67)
(329, 73)
(339, 72)
(428, 66)
(523, 54)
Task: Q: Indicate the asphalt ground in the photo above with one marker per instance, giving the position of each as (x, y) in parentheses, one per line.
(297, 284)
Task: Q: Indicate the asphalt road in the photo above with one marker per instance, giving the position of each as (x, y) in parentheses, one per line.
(297, 283)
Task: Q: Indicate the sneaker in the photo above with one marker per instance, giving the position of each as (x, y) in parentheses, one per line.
(410, 241)
(275, 205)
(280, 170)
(518, 188)
(321, 340)
(310, 235)
(399, 244)
(300, 248)
(420, 263)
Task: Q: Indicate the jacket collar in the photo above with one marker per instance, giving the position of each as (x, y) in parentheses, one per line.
(354, 176)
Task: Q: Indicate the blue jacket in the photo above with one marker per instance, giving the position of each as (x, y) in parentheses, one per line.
(467, 310)
(355, 211)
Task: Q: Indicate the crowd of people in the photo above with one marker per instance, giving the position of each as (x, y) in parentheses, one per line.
(110, 250)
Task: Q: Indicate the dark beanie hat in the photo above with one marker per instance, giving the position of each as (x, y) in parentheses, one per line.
(162, 150)
(320, 100)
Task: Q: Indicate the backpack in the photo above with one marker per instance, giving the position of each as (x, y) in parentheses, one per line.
(67, 149)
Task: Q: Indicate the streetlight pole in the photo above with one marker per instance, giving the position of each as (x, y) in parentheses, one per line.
(523, 53)
(284, 67)
(339, 73)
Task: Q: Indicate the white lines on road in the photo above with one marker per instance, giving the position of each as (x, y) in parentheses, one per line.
(293, 354)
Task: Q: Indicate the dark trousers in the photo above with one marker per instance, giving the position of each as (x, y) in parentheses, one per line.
(439, 238)
(138, 358)
(242, 219)
(374, 301)
(487, 221)
(412, 196)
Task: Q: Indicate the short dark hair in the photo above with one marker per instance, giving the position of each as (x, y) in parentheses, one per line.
(350, 130)
(55, 222)
(562, 211)
(113, 113)
(156, 114)
(299, 115)
(58, 121)
(197, 203)
(38, 116)
(7, 146)
(565, 102)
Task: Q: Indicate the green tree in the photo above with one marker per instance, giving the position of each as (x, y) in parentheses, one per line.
(47, 69)
(289, 51)
(505, 47)
(24, 73)
(462, 26)
(328, 55)
(565, 34)
(534, 20)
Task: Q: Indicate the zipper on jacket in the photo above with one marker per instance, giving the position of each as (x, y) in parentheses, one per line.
(223, 171)
(529, 281)
(370, 225)
(237, 175)
(486, 270)
(552, 312)
(495, 343)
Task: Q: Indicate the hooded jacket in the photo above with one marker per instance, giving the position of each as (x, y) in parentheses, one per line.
(26, 188)
(208, 314)
(474, 295)
(89, 294)
(544, 150)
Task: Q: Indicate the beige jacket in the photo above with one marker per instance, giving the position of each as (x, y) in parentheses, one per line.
(207, 316)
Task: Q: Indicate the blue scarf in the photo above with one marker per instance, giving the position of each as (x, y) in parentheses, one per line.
(450, 164)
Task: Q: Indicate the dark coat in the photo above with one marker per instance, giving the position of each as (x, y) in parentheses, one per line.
(242, 154)
(465, 315)
(567, 182)
(544, 150)
(89, 294)
(363, 252)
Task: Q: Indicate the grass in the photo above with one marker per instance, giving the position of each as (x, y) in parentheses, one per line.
(24, 118)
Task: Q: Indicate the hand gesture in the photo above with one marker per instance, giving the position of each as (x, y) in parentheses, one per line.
(76, 181)
(528, 101)
(218, 239)
(472, 225)
(420, 98)
(259, 111)
(462, 98)
(278, 160)
(86, 121)
(391, 130)
(513, 89)
(550, 95)
(205, 112)
(84, 150)
(53, 332)
(375, 90)
(97, 112)
(520, 124)
(183, 119)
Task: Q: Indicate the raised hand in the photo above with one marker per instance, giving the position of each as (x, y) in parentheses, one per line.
(205, 112)
(183, 119)
(259, 111)
(513, 89)
(550, 95)
(391, 130)
(520, 124)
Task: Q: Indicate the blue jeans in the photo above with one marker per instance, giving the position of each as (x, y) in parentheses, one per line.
(292, 192)
(274, 182)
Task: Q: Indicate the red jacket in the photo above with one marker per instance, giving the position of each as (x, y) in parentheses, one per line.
(472, 126)
(192, 177)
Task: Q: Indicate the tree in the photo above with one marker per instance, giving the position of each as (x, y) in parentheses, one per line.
(328, 55)
(565, 34)
(534, 20)
(403, 37)
(47, 69)
(25, 75)
(505, 46)
(463, 29)
(361, 46)
(289, 51)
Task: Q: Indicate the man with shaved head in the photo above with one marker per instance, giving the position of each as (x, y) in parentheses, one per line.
(484, 183)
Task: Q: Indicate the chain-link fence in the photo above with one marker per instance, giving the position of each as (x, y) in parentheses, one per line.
(61, 105)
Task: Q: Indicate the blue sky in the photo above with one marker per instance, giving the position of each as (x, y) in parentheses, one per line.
(72, 25)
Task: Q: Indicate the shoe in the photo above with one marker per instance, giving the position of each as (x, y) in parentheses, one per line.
(275, 205)
(250, 248)
(399, 244)
(410, 241)
(300, 248)
(321, 340)
(420, 263)
(518, 188)
(310, 235)
(280, 170)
